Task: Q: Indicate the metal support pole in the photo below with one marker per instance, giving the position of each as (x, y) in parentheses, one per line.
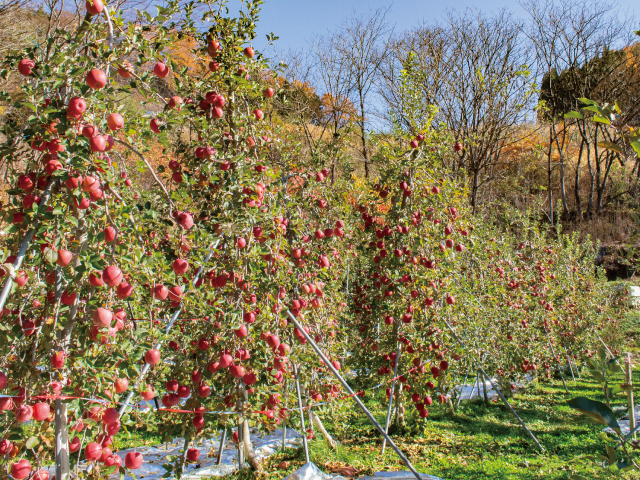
(346, 386)
(631, 404)
(174, 317)
(495, 387)
(304, 430)
(62, 441)
(391, 395)
(223, 440)
(23, 249)
(553, 352)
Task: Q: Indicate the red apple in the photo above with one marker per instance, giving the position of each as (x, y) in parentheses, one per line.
(155, 125)
(121, 385)
(180, 266)
(21, 469)
(98, 143)
(25, 66)
(124, 290)
(110, 416)
(95, 279)
(160, 70)
(112, 276)
(96, 79)
(24, 413)
(109, 234)
(94, 7)
(41, 475)
(152, 356)
(64, 257)
(102, 318)
(115, 121)
(175, 101)
(133, 460)
(148, 393)
(193, 454)
(77, 106)
(93, 452)
(41, 411)
(74, 445)
(160, 292)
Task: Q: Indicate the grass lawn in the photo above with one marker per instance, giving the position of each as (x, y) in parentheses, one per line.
(479, 442)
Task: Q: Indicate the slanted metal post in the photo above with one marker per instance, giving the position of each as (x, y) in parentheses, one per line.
(346, 386)
(304, 429)
(393, 386)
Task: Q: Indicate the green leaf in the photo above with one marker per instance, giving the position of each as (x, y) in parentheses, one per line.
(50, 254)
(610, 146)
(32, 442)
(597, 411)
(617, 389)
(601, 119)
(611, 453)
(598, 376)
(636, 146)
(577, 477)
(109, 471)
(574, 115)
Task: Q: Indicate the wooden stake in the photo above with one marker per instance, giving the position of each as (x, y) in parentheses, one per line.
(304, 429)
(223, 439)
(393, 386)
(629, 382)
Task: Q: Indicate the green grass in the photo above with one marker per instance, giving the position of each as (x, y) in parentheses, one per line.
(478, 442)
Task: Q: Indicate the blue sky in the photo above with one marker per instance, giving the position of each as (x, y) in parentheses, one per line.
(297, 21)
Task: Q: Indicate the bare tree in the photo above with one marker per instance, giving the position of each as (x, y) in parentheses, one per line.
(474, 68)
(579, 54)
(348, 64)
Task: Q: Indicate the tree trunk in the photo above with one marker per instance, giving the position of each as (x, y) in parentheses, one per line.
(576, 184)
(474, 191)
(592, 184)
(318, 423)
(549, 171)
(565, 206)
(363, 136)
